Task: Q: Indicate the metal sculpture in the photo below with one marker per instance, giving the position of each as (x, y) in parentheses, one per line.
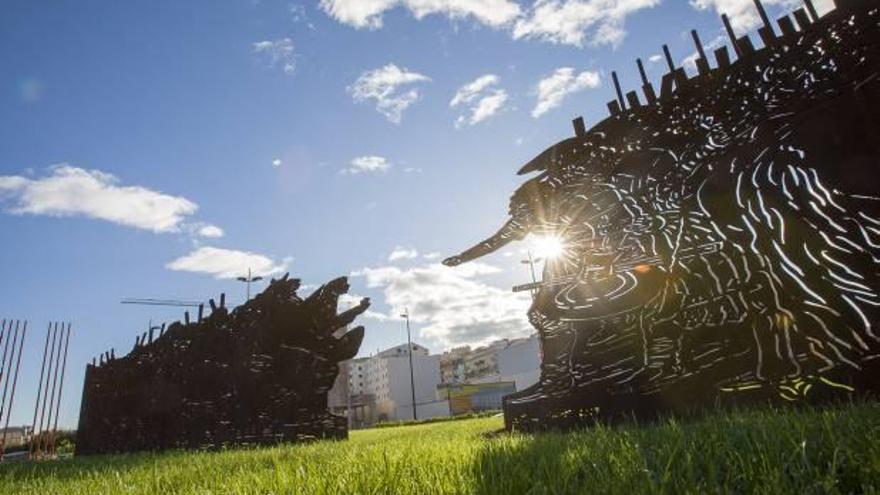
(721, 238)
(259, 374)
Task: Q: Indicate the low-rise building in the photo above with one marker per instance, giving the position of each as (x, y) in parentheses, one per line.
(379, 387)
(513, 360)
(16, 435)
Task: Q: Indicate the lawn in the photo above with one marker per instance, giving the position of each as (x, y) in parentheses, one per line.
(827, 450)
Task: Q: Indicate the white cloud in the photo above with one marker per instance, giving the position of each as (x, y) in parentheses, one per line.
(368, 13)
(367, 164)
(453, 306)
(743, 15)
(211, 231)
(71, 191)
(432, 256)
(276, 162)
(402, 253)
(655, 58)
(227, 263)
(277, 53)
(385, 85)
(573, 22)
(482, 99)
(556, 87)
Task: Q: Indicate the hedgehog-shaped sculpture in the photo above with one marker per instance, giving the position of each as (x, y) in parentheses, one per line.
(721, 242)
(258, 374)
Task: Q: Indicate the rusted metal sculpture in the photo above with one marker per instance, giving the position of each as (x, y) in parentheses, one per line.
(722, 236)
(259, 374)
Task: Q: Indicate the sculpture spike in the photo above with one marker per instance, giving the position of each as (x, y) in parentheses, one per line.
(698, 43)
(802, 18)
(580, 130)
(618, 90)
(763, 14)
(669, 61)
(812, 10)
(731, 35)
(642, 73)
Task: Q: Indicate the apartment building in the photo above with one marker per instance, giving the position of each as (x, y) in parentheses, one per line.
(379, 386)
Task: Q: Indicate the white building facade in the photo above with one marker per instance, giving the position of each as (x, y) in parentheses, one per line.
(385, 378)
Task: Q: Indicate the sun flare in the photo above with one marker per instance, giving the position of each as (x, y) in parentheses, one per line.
(547, 247)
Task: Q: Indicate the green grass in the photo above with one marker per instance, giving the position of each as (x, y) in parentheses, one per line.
(831, 450)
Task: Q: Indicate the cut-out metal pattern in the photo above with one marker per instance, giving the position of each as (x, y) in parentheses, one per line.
(722, 239)
(258, 374)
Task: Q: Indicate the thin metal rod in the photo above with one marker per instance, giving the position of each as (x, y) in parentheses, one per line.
(61, 385)
(2, 330)
(642, 71)
(618, 90)
(7, 368)
(39, 391)
(5, 351)
(14, 384)
(54, 385)
(46, 389)
(731, 34)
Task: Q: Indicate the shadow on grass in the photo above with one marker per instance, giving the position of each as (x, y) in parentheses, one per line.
(809, 450)
(77, 467)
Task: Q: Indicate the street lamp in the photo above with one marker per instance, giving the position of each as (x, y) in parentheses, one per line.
(531, 262)
(248, 281)
(412, 381)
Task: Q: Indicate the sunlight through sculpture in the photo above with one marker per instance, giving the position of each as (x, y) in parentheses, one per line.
(722, 237)
(259, 374)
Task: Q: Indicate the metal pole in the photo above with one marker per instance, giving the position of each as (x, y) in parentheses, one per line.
(52, 398)
(531, 263)
(61, 385)
(449, 399)
(12, 396)
(7, 369)
(46, 390)
(412, 380)
(31, 450)
(5, 350)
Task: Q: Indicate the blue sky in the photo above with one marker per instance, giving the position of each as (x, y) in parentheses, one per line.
(157, 149)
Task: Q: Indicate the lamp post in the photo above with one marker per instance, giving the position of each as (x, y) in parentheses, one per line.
(248, 281)
(412, 381)
(531, 262)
